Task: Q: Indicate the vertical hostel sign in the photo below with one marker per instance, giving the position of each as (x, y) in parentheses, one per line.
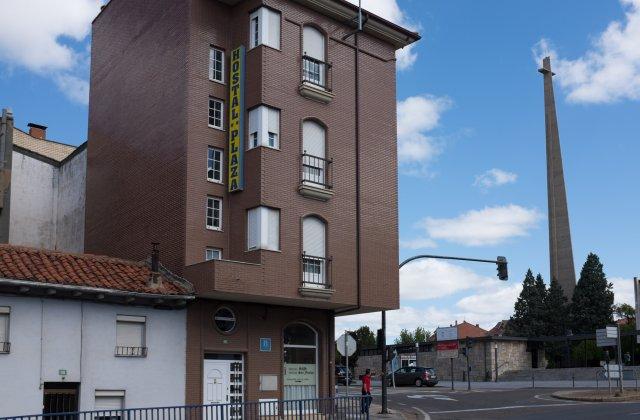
(236, 120)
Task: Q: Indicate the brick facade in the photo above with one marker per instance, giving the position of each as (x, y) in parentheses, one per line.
(147, 167)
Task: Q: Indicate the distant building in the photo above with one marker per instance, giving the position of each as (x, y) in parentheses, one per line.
(499, 329)
(42, 189)
(87, 332)
(466, 329)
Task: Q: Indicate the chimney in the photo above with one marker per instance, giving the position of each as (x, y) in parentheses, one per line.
(456, 322)
(154, 279)
(478, 325)
(38, 131)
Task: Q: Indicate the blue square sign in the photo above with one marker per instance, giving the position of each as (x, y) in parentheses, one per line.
(265, 344)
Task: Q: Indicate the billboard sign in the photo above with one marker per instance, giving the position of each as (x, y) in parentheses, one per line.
(446, 334)
(236, 120)
(602, 340)
(447, 349)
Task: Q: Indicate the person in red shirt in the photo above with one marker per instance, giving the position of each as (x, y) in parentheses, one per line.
(366, 392)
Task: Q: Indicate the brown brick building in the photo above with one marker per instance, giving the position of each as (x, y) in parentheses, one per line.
(301, 124)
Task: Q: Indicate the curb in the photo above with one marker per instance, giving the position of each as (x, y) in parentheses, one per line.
(575, 396)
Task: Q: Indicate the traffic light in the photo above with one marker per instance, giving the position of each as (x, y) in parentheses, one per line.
(380, 339)
(503, 273)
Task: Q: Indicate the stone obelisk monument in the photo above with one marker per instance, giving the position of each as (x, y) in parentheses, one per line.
(560, 249)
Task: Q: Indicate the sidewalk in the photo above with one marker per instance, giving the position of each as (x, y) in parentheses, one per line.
(374, 413)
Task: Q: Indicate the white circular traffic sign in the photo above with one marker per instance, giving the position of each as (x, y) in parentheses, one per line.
(351, 345)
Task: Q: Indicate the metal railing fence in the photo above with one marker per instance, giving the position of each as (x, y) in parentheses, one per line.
(337, 408)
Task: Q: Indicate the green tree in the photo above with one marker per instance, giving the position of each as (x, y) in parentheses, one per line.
(592, 303)
(625, 311)
(556, 310)
(406, 337)
(365, 337)
(421, 335)
(528, 317)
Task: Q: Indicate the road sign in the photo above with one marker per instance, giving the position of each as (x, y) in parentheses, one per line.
(612, 332)
(602, 340)
(446, 333)
(447, 349)
(614, 372)
(351, 345)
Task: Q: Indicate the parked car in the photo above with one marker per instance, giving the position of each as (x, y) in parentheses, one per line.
(412, 375)
(342, 376)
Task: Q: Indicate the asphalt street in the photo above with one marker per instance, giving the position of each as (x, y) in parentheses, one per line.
(441, 402)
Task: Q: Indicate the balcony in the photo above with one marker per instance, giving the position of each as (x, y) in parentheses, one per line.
(316, 177)
(316, 277)
(5, 347)
(124, 351)
(316, 80)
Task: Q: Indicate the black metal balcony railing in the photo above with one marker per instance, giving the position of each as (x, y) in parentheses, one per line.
(5, 347)
(316, 72)
(316, 171)
(125, 351)
(316, 271)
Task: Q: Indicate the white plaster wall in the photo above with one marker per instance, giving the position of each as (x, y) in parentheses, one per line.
(51, 334)
(47, 203)
(33, 193)
(71, 199)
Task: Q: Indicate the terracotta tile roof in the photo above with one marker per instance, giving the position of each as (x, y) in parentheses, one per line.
(48, 148)
(499, 328)
(466, 329)
(59, 268)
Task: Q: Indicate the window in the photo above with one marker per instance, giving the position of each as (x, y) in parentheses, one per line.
(131, 336)
(264, 28)
(212, 254)
(313, 50)
(110, 402)
(216, 65)
(214, 213)
(263, 229)
(5, 345)
(314, 259)
(214, 164)
(264, 127)
(225, 319)
(216, 110)
(300, 355)
(314, 164)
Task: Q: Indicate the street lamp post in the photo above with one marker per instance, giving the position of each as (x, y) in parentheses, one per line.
(501, 263)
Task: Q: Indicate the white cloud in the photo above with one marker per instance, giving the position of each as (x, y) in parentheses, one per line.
(488, 226)
(391, 11)
(418, 243)
(494, 178)
(610, 70)
(39, 35)
(417, 116)
(623, 290)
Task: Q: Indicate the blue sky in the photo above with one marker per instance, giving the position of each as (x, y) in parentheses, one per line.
(471, 136)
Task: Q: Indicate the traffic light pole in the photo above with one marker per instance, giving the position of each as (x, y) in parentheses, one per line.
(501, 262)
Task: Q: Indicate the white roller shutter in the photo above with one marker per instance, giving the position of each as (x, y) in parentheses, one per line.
(109, 400)
(273, 30)
(274, 120)
(313, 139)
(273, 223)
(4, 327)
(253, 228)
(313, 43)
(313, 237)
(130, 334)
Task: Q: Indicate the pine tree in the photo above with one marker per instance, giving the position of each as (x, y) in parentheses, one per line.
(592, 303)
(556, 310)
(528, 317)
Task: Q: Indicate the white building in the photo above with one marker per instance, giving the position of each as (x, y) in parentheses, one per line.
(42, 189)
(77, 332)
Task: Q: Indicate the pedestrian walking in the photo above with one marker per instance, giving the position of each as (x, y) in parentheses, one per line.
(366, 393)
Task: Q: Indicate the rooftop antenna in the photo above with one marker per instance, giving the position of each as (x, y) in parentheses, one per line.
(359, 24)
(360, 15)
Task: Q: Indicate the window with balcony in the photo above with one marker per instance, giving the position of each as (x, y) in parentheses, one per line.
(264, 127)
(214, 213)
(316, 175)
(216, 65)
(214, 164)
(264, 28)
(5, 345)
(316, 71)
(216, 113)
(263, 229)
(212, 254)
(314, 260)
(131, 336)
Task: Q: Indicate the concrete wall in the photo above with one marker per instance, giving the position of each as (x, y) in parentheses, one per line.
(47, 203)
(47, 335)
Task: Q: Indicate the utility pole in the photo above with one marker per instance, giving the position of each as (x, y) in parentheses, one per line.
(384, 363)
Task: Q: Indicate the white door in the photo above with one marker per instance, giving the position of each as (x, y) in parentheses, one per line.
(216, 382)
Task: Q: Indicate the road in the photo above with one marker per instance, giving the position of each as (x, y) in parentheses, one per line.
(496, 403)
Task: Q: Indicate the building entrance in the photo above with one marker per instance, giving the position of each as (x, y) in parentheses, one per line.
(300, 362)
(223, 383)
